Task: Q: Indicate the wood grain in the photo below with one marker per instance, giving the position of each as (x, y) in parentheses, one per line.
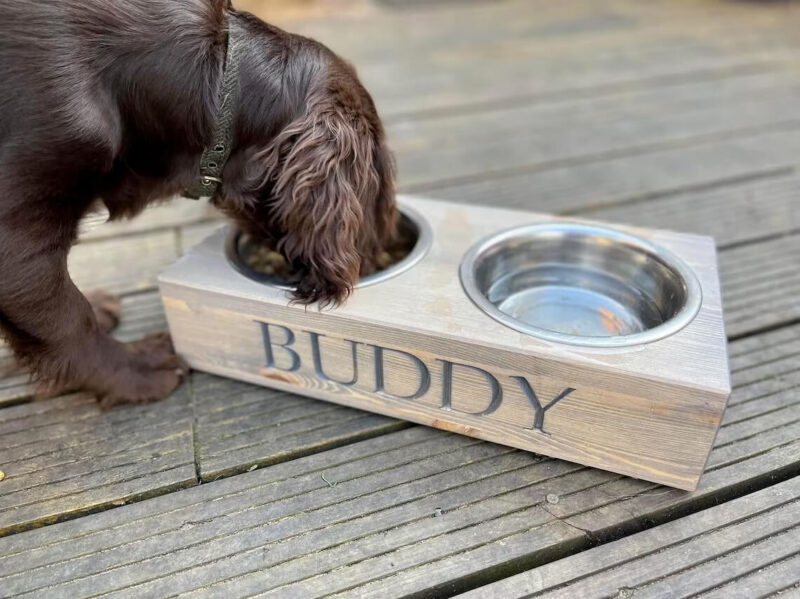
(236, 530)
(757, 443)
(632, 183)
(496, 143)
(745, 548)
(240, 426)
(374, 525)
(177, 212)
(761, 284)
(66, 457)
(466, 55)
(122, 264)
(769, 206)
(436, 70)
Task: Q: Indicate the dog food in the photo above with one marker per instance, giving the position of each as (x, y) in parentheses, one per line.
(261, 255)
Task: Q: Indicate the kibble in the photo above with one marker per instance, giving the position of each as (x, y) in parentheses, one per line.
(263, 257)
(384, 260)
(268, 261)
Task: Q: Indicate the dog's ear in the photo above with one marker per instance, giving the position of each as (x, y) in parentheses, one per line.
(386, 214)
(321, 175)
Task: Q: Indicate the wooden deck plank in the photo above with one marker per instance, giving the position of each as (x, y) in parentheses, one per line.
(457, 148)
(192, 234)
(65, 457)
(626, 113)
(767, 206)
(434, 26)
(239, 426)
(513, 74)
(623, 503)
(777, 577)
(771, 546)
(723, 545)
(741, 455)
(736, 448)
(174, 213)
(607, 181)
(760, 284)
(402, 477)
(431, 25)
(382, 453)
(415, 63)
(122, 264)
(374, 522)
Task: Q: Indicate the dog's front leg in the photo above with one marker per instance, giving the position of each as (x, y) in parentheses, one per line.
(53, 329)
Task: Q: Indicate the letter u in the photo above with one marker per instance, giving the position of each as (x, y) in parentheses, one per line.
(316, 353)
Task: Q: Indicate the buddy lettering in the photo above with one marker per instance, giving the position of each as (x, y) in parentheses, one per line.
(368, 367)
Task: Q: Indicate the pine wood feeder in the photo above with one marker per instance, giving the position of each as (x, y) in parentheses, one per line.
(600, 345)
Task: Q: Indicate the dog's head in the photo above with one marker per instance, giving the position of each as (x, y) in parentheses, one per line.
(322, 186)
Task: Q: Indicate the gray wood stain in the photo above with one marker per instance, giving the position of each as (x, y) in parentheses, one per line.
(666, 114)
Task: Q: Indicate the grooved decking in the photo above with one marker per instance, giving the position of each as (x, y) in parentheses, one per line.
(669, 114)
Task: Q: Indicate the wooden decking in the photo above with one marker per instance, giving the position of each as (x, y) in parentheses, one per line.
(672, 113)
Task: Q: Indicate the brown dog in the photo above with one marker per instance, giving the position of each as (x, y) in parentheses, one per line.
(114, 101)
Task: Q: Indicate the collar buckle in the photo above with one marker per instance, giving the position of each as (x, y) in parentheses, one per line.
(216, 154)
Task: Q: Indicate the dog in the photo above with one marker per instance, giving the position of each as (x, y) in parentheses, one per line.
(116, 102)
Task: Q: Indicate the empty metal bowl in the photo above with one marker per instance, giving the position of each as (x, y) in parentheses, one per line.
(239, 245)
(581, 284)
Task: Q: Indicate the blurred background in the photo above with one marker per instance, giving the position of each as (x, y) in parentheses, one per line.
(572, 106)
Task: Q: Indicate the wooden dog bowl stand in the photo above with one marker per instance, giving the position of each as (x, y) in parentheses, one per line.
(415, 347)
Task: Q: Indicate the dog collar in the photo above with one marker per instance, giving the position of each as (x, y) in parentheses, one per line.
(215, 155)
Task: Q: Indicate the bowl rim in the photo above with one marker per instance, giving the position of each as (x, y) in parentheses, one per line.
(680, 320)
(417, 253)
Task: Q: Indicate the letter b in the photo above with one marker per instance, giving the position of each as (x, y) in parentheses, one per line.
(270, 346)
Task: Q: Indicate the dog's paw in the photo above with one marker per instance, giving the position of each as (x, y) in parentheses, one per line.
(107, 309)
(153, 372)
(143, 386)
(156, 352)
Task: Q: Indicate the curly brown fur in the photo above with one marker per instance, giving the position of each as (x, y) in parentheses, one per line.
(112, 101)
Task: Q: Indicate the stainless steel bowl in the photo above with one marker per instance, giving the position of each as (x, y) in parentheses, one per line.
(581, 284)
(239, 245)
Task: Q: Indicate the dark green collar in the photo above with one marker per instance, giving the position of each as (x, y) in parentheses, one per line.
(216, 154)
